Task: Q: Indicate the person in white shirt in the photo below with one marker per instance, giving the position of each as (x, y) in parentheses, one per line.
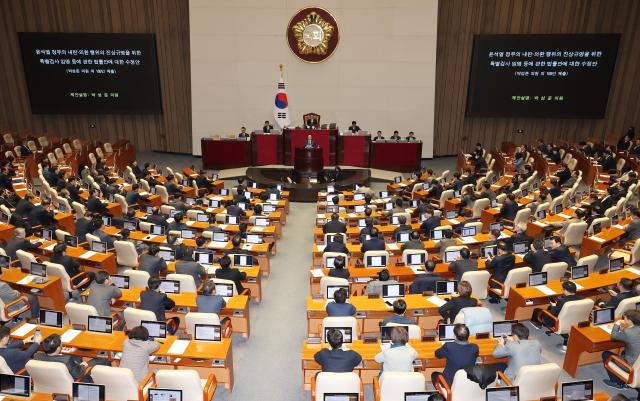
(400, 356)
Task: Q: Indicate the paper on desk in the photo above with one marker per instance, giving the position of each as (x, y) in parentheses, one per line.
(467, 240)
(189, 223)
(257, 229)
(416, 269)
(634, 271)
(606, 327)
(320, 248)
(392, 247)
(564, 216)
(23, 330)
(578, 286)
(402, 185)
(87, 255)
(210, 209)
(26, 279)
(436, 301)
(453, 222)
(50, 247)
(178, 347)
(320, 216)
(503, 236)
(598, 239)
(217, 198)
(619, 226)
(539, 224)
(69, 335)
(247, 247)
(223, 226)
(545, 290)
(361, 279)
(317, 273)
(353, 215)
(217, 244)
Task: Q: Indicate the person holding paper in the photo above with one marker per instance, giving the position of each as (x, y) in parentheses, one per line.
(12, 352)
(136, 350)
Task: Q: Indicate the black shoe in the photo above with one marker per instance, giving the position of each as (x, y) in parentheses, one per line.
(494, 300)
(611, 383)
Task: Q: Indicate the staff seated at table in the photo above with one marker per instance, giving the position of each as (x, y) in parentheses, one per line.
(627, 331)
(499, 266)
(414, 242)
(186, 265)
(97, 224)
(337, 245)
(267, 127)
(209, 301)
(151, 263)
(375, 243)
(398, 317)
(336, 359)
(427, 281)
(400, 356)
(619, 293)
(18, 242)
(378, 136)
(520, 350)
(463, 264)
(537, 256)
(450, 310)
(430, 222)
(102, 293)
(411, 137)
(560, 252)
(569, 290)
(243, 133)
(354, 127)
(459, 354)
(339, 307)
(227, 273)
(396, 136)
(334, 225)
(375, 286)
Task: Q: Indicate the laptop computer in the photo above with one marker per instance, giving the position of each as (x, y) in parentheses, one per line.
(254, 239)
(170, 286)
(437, 234)
(446, 287)
(168, 255)
(488, 251)
(188, 234)
(243, 260)
(50, 318)
(495, 226)
(331, 290)
(204, 258)
(403, 236)
(538, 279)
(503, 394)
(602, 316)
(130, 225)
(452, 214)
(207, 332)
(581, 390)
(520, 247)
(580, 271)
(503, 328)
(120, 281)
(155, 329)
(71, 241)
(392, 291)
(346, 334)
(445, 332)
(15, 385)
(450, 256)
(416, 259)
(220, 236)
(469, 231)
(616, 264)
(156, 229)
(377, 261)
(224, 290)
(88, 392)
(161, 394)
(100, 324)
(233, 220)
(99, 247)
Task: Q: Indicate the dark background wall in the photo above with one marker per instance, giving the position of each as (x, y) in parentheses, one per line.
(168, 19)
(458, 20)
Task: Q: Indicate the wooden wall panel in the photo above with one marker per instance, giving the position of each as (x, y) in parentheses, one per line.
(459, 20)
(168, 19)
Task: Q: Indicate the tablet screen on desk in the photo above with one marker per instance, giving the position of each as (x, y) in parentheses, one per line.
(488, 251)
(392, 290)
(446, 287)
(168, 255)
(538, 279)
(189, 234)
(416, 259)
(357, 197)
(385, 332)
(202, 217)
(88, 392)
(452, 214)
(376, 261)
(495, 226)
(120, 281)
(71, 241)
(38, 269)
(159, 394)
(15, 385)
(580, 271)
(214, 203)
(503, 328)
(602, 316)
(221, 237)
(520, 247)
(99, 324)
(437, 234)
(224, 290)
(331, 290)
(207, 332)
(359, 208)
(50, 318)
(130, 225)
(445, 332)
(155, 329)
(170, 286)
(99, 247)
(450, 256)
(403, 237)
(346, 334)
(503, 394)
(106, 220)
(577, 391)
(204, 258)
(156, 229)
(47, 234)
(340, 396)
(418, 395)
(243, 260)
(616, 264)
(468, 231)
(254, 239)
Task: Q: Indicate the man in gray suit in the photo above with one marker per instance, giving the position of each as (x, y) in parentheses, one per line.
(626, 330)
(633, 228)
(102, 291)
(520, 350)
(463, 264)
(414, 242)
(188, 266)
(152, 263)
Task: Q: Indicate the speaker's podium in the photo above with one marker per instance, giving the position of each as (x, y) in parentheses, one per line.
(308, 161)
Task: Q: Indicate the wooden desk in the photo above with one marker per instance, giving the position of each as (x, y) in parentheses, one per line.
(97, 261)
(597, 244)
(65, 222)
(6, 231)
(204, 356)
(519, 309)
(369, 368)
(50, 294)
(585, 347)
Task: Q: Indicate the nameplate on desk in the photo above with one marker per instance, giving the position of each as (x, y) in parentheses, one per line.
(539, 224)
(361, 315)
(417, 312)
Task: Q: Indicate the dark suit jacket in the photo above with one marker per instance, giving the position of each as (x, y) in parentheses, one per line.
(518, 237)
(413, 245)
(24, 207)
(18, 243)
(424, 282)
(555, 310)
(615, 300)
(336, 247)
(374, 244)
(156, 302)
(15, 357)
(152, 265)
(509, 210)
(234, 210)
(460, 267)
(70, 264)
(157, 219)
(94, 205)
(83, 227)
(562, 254)
(132, 197)
(210, 303)
(39, 216)
(455, 305)
(500, 265)
(337, 360)
(341, 273)
(331, 227)
(458, 356)
(429, 224)
(194, 269)
(536, 260)
(234, 275)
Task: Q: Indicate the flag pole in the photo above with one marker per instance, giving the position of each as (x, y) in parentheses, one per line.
(281, 70)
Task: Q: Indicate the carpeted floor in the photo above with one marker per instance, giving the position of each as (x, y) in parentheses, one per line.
(267, 366)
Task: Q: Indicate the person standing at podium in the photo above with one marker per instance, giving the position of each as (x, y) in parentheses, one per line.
(243, 133)
(378, 136)
(396, 136)
(354, 127)
(267, 127)
(309, 143)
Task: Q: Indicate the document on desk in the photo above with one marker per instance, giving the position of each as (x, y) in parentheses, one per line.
(222, 226)
(69, 335)
(545, 290)
(189, 223)
(317, 273)
(178, 347)
(23, 330)
(467, 240)
(209, 210)
(392, 247)
(598, 239)
(539, 224)
(436, 301)
(50, 247)
(320, 216)
(257, 229)
(634, 271)
(247, 247)
(503, 236)
(417, 269)
(578, 286)
(564, 216)
(606, 327)
(353, 215)
(320, 248)
(217, 244)
(87, 255)
(218, 198)
(619, 226)
(26, 279)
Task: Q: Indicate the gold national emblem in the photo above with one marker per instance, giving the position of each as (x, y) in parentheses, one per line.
(313, 34)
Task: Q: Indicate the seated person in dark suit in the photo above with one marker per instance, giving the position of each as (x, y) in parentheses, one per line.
(354, 127)
(624, 291)
(569, 290)
(436, 190)
(172, 185)
(94, 204)
(459, 354)
(133, 196)
(560, 252)
(414, 242)
(52, 347)
(157, 302)
(233, 209)
(427, 281)
(18, 242)
(509, 208)
(152, 263)
(13, 352)
(339, 307)
(627, 331)
(396, 136)
(227, 273)
(339, 269)
(203, 182)
(519, 236)
(373, 244)
(430, 222)
(156, 218)
(403, 227)
(97, 224)
(411, 137)
(537, 256)
(336, 359)
(25, 205)
(180, 249)
(42, 215)
(450, 310)
(399, 309)
(186, 265)
(267, 127)
(236, 243)
(334, 225)
(499, 266)
(208, 301)
(337, 245)
(243, 133)
(378, 137)
(463, 264)
(83, 227)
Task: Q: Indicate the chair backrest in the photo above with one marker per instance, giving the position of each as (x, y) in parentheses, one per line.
(187, 283)
(79, 208)
(8, 138)
(478, 280)
(56, 270)
(374, 253)
(415, 331)
(521, 217)
(573, 312)
(187, 380)
(590, 261)
(603, 221)
(193, 318)
(120, 200)
(67, 148)
(340, 321)
(515, 276)
(126, 254)
(161, 190)
(463, 389)
(25, 258)
(59, 153)
(574, 233)
(626, 304)
(635, 252)
(107, 147)
(133, 317)
(446, 195)
(537, 381)
(327, 255)
(60, 234)
(79, 313)
(478, 206)
(4, 368)
(327, 281)
(478, 319)
(137, 278)
(120, 383)
(91, 238)
(50, 377)
(393, 385)
(329, 382)
(555, 271)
